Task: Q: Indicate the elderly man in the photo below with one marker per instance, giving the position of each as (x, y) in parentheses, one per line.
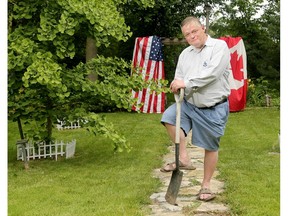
(202, 70)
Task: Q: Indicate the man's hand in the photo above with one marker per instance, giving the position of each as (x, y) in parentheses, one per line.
(176, 85)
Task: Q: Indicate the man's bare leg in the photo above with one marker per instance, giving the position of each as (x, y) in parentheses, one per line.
(183, 154)
(210, 162)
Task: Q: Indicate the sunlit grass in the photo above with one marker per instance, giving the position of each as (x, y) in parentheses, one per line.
(249, 164)
(98, 182)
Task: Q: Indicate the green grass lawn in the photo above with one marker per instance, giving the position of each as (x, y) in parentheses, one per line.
(248, 163)
(98, 182)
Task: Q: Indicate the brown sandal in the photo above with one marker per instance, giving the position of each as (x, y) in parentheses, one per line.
(172, 166)
(206, 191)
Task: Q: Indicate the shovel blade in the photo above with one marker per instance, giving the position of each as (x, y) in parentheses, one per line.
(174, 187)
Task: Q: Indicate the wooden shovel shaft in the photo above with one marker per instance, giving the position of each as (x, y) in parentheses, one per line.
(176, 178)
(178, 99)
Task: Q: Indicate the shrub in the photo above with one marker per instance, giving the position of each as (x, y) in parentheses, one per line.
(263, 92)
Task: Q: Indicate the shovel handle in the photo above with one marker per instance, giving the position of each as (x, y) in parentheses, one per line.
(176, 177)
(178, 99)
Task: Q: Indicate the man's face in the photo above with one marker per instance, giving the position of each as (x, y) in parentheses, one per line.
(194, 34)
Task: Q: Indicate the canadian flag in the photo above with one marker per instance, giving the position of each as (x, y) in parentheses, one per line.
(238, 78)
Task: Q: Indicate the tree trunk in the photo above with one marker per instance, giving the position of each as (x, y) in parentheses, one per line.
(91, 52)
(49, 130)
(20, 128)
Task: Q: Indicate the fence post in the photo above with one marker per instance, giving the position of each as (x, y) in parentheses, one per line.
(22, 144)
(268, 100)
(56, 149)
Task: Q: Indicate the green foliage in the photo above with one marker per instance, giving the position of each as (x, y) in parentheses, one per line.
(47, 79)
(98, 124)
(20, 50)
(47, 92)
(261, 35)
(113, 77)
(258, 91)
(163, 20)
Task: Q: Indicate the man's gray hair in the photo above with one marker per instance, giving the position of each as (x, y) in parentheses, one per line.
(191, 19)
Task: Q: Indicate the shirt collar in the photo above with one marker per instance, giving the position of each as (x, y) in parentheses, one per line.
(207, 43)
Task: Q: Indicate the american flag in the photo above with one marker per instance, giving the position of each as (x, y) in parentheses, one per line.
(148, 56)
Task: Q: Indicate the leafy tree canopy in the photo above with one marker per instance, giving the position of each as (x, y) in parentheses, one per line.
(260, 31)
(47, 79)
(163, 19)
(261, 35)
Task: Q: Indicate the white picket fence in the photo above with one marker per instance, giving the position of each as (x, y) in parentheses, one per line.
(63, 125)
(43, 150)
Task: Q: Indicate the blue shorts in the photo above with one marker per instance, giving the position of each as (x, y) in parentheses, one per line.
(208, 124)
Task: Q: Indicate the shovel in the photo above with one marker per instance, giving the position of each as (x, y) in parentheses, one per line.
(176, 177)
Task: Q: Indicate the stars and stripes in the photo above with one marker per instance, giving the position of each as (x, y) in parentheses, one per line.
(148, 56)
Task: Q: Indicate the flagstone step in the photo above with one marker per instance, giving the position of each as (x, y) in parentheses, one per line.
(187, 204)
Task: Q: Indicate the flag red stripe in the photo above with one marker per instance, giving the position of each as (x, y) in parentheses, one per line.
(150, 69)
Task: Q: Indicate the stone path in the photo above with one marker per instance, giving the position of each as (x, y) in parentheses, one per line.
(190, 185)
